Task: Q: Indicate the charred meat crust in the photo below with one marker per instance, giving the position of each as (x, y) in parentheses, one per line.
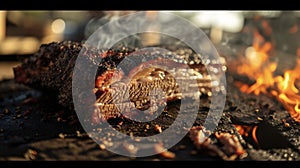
(51, 68)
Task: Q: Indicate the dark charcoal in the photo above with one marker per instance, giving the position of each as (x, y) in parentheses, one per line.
(44, 138)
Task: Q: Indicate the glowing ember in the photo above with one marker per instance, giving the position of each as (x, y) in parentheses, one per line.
(257, 65)
(246, 130)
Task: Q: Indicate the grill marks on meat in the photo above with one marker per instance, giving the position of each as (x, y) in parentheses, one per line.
(51, 69)
(150, 71)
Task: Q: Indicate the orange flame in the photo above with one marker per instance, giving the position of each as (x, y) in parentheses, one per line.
(246, 130)
(256, 65)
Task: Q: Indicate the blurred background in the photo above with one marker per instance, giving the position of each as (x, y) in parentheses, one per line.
(22, 32)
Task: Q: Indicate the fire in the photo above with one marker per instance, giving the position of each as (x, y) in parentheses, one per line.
(257, 65)
(246, 130)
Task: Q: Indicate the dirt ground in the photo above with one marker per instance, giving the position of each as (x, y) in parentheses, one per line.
(34, 127)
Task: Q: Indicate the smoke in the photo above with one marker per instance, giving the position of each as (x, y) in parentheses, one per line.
(113, 27)
(137, 30)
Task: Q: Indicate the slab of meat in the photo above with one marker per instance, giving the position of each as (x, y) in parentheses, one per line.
(51, 68)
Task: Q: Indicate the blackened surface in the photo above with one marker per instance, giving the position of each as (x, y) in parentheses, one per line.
(35, 128)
